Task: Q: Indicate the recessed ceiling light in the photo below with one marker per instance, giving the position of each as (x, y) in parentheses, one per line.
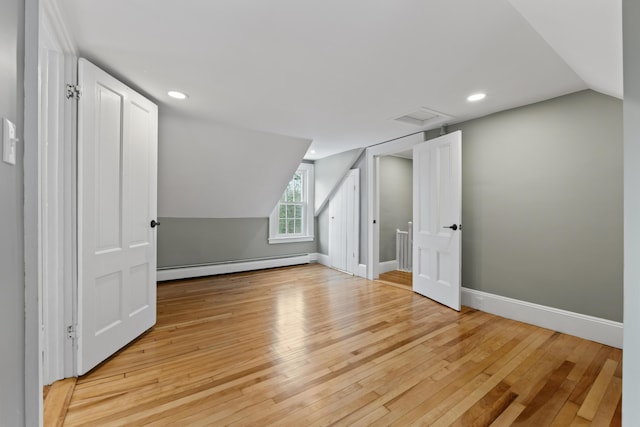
(312, 151)
(476, 97)
(177, 95)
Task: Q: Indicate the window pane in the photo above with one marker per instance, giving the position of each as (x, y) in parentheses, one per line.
(292, 206)
(297, 188)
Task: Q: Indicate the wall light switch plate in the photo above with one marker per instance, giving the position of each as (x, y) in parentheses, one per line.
(9, 141)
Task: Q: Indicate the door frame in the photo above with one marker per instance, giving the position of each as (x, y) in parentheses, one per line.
(57, 224)
(373, 191)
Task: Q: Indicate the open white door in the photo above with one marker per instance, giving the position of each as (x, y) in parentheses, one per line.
(437, 211)
(117, 182)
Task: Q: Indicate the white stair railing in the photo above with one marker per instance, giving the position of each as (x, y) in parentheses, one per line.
(404, 248)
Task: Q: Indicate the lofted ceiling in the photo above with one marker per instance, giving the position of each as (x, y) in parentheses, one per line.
(339, 73)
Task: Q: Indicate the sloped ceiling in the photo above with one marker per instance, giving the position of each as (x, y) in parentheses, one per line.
(213, 170)
(329, 172)
(587, 34)
(338, 73)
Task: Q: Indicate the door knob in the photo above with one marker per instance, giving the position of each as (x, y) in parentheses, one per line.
(154, 223)
(454, 227)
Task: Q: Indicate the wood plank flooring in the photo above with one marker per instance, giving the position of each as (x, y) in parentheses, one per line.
(56, 398)
(404, 279)
(310, 346)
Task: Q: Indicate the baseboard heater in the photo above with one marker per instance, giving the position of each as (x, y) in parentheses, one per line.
(224, 267)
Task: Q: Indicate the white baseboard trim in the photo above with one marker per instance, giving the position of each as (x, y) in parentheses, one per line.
(362, 271)
(387, 266)
(588, 327)
(230, 267)
(323, 259)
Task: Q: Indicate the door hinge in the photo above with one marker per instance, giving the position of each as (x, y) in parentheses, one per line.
(71, 332)
(73, 91)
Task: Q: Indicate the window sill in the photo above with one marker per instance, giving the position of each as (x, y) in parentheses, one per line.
(297, 239)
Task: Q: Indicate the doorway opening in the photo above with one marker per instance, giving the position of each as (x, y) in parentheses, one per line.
(375, 156)
(437, 199)
(395, 239)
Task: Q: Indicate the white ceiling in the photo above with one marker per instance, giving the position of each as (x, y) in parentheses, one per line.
(339, 72)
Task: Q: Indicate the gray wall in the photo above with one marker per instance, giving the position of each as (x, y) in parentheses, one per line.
(12, 291)
(542, 204)
(631, 355)
(396, 202)
(193, 241)
(322, 232)
(212, 211)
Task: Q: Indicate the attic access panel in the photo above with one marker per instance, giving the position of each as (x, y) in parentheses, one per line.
(423, 117)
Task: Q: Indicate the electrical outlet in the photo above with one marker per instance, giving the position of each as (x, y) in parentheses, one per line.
(9, 141)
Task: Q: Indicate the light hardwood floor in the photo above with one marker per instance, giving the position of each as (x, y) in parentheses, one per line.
(307, 346)
(399, 278)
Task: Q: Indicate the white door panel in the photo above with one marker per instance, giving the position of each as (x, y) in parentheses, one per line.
(351, 223)
(337, 242)
(437, 166)
(344, 214)
(117, 181)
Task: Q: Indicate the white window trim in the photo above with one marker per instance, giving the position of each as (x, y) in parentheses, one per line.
(308, 232)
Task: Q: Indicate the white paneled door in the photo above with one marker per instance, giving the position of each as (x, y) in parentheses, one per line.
(117, 180)
(344, 225)
(437, 202)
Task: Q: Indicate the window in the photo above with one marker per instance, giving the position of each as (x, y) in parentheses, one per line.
(292, 218)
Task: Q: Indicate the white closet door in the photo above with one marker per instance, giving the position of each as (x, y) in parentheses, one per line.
(337, 228)
(117, 181)
(352, 187)
(344, 226)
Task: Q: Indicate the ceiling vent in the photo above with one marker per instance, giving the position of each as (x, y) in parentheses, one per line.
(424, 117)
